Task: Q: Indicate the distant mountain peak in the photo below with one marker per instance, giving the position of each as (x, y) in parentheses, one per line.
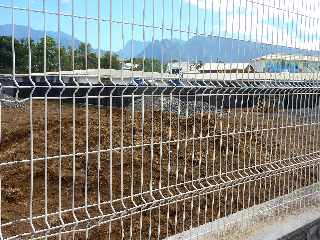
(132, 49)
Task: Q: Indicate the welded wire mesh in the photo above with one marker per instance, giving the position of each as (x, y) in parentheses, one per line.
(147, 119)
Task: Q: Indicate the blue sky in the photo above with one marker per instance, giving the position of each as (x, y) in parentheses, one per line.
(119, 14)
(269, 21)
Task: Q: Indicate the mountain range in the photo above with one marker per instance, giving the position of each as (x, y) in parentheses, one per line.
(21, 32)
(200, 48)
(208, 49)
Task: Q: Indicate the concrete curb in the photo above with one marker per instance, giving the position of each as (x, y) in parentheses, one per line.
(270, 220)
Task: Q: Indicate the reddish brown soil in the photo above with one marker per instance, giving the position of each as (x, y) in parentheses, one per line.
(241, 139)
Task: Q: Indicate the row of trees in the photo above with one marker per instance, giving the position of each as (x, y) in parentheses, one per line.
(21, 58)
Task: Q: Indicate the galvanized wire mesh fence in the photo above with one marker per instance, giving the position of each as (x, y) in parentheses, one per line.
(140, 119)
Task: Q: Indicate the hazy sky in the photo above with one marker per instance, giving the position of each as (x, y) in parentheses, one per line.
(282, 22)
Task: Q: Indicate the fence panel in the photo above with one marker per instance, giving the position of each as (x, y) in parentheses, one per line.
(138, 119)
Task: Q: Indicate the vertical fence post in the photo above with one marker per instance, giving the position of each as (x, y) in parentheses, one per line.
(1, 237)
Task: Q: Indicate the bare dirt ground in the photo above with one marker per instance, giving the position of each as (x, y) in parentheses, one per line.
(147, 151)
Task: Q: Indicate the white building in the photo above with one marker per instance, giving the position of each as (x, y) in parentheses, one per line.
(130, 66)
(180, 67)
(282, 63)
(226, 68)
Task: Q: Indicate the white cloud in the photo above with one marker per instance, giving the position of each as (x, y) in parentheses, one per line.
(309, 7)
(269, 21)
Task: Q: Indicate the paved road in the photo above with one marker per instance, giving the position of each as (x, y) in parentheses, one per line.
(310, 231)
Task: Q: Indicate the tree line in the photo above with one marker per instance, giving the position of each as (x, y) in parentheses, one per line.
(69, 58)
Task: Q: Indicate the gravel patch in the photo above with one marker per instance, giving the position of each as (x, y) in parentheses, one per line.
(175, 105)
(10, 102)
